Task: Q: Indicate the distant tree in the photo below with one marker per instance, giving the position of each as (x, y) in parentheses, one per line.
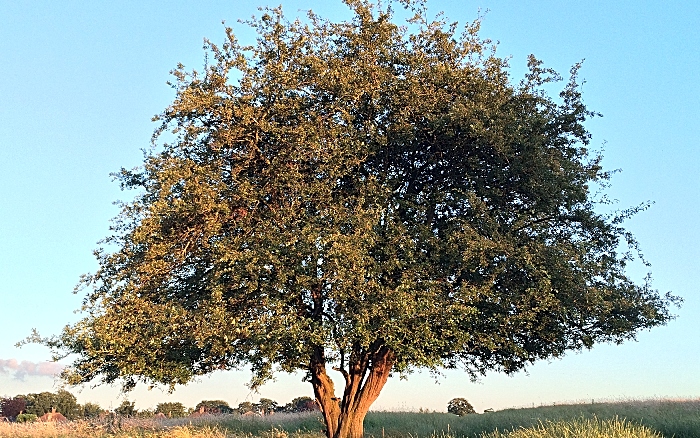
(266, 406)
(126, 409)
(145, 413)
(364, 196)
(171, 409)
(12, 407)
(460, 406)
(245, 407)
(91, 410)
(62, 400)
(301, 404)
(214, 407)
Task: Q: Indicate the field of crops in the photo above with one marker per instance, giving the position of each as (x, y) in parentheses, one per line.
(641, 419)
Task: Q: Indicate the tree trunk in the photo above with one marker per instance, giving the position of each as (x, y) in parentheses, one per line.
(364, 380)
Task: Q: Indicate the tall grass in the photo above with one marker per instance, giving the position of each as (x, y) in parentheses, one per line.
(678, 419)
(581, 428)
(646, 419)
(219, 426)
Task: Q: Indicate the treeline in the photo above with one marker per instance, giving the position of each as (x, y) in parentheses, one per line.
(29, 407)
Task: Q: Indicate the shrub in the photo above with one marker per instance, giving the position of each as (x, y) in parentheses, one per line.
(91, 410)
(460, 406)
(26, 418)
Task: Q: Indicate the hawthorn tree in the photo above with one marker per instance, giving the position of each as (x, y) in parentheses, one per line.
(362, 197)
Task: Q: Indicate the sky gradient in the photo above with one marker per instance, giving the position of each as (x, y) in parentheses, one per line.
(81, 81)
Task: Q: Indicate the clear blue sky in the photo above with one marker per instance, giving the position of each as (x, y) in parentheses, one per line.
(80, 81)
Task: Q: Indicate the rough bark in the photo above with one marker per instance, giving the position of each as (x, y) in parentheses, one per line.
(365, 377)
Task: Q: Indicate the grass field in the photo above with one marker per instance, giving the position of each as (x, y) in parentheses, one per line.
(639, 419)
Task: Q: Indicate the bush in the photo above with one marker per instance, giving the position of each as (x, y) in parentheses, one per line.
(460, 406)
(91, 410)
(26, 418)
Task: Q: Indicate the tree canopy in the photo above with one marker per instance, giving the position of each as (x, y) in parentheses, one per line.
(364, 196)
(91, 410)
(127, 409)
(214, 407)
(11, 407)
(460, 407)
(45, 402)
(171, 409)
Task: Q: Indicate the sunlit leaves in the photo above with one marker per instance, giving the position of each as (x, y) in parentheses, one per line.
(355, 187)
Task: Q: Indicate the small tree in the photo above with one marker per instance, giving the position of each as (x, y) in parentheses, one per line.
(126, 409)
(460, 406)
(214, 407)
(267, 406)
(245, 407)
(91, 410)
(301, 404)
(171, 409)
(365, 197)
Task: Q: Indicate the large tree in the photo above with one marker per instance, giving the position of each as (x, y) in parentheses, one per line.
(362, 197)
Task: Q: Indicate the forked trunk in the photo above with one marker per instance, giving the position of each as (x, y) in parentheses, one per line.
(364, 380)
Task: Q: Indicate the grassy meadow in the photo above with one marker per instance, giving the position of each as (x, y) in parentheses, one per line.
(637, 419)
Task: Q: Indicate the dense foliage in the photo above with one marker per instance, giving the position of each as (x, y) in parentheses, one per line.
(214, 407)
(26, 418)
(38, 404)
(171, 409)
(126, 409)
(460, 406)
(362, 196)
(301, 404)
(11, 407)
(44, 402)
(91, 410)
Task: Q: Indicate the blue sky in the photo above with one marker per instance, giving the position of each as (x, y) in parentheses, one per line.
(80, 81)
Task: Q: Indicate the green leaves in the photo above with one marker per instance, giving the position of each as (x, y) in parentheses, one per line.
(352, 188)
